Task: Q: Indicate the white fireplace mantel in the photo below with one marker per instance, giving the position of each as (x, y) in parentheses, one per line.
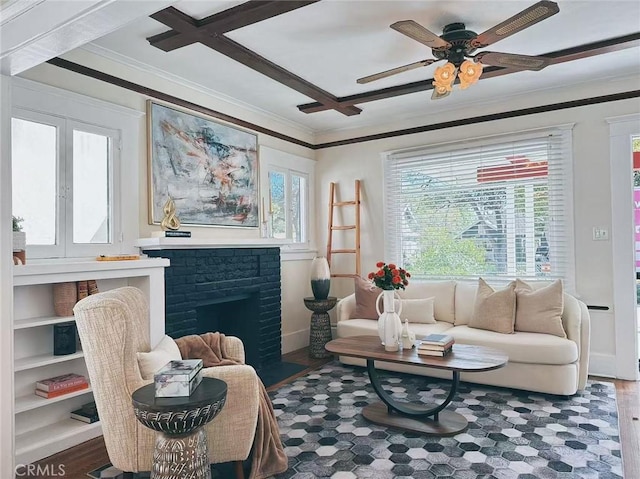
(189, 243)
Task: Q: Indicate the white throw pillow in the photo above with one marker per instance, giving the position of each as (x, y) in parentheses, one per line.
(166, 350)
(418, 310)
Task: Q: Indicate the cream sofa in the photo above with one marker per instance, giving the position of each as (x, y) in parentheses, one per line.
(537, 362)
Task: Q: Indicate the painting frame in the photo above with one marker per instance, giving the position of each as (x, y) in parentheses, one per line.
(209, 169)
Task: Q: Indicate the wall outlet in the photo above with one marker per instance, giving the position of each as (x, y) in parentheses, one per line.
(600, 234)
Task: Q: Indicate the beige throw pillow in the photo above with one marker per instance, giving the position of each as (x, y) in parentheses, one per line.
(366, 295)
(540, 310)
(418, 310)
(166, 350)
(494, 310)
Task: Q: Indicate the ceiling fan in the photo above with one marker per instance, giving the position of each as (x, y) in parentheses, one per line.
(457, 45)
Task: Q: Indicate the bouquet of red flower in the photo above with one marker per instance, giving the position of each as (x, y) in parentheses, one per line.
(389, 276)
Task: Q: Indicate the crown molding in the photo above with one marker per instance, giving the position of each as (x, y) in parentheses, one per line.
(151, 70)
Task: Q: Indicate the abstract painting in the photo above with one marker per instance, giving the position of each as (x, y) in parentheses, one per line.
(208, 169)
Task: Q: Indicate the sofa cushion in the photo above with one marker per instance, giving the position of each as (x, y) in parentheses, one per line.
(442, 291)
(540, 310)
(418, 310)
(366, 296)
(465, 299)
(494, 310)
(166, 350)
(521, 347)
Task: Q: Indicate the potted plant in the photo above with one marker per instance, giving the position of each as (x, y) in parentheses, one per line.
(19, 240)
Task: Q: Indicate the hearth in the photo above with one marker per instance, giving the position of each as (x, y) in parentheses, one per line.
(232, 290)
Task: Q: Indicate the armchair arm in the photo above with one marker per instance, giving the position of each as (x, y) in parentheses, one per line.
(231, 432)
(346, 306)
(235, 348)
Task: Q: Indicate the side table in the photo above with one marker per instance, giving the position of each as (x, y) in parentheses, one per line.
(320, 330)
(181, 442)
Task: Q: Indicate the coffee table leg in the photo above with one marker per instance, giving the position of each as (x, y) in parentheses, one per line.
(181, 455)
(425, 419)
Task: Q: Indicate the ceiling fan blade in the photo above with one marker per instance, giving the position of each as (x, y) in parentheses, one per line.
(393, 71)
(527, 17)
(512, 60)
(420, 34)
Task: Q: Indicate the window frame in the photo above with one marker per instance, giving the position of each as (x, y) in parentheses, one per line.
(392, 240)
(33, 101)
(288, 165)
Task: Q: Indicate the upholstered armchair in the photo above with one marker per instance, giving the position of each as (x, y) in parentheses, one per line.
(113, 327)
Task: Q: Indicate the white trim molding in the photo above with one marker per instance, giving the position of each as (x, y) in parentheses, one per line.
(621, 130)
(6, 287)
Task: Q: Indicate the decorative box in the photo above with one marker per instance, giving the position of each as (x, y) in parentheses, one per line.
(178, 378)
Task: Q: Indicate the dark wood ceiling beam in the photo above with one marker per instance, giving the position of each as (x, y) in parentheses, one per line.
(236, 17)
(185, 25)
(260, 64)
(558, 56)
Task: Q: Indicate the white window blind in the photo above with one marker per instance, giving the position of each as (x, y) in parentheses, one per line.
(496, 208)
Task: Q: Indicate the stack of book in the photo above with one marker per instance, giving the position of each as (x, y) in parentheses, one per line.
(60, 385)
(87, 413)
(435, 345)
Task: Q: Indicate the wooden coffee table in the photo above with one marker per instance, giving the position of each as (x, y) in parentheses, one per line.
(426, 419)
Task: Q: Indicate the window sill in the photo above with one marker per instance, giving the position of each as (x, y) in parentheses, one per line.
(297, 254)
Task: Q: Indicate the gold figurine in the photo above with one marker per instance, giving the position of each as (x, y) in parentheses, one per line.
(170, 220)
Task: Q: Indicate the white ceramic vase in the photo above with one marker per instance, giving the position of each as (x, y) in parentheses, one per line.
(320, 277)
(389, 324)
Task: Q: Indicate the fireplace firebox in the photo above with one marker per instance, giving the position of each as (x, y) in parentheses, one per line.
(235, 291)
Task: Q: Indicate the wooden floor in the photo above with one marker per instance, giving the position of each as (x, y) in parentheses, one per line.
(86, 457)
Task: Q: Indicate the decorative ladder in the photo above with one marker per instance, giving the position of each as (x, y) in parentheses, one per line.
(330, 251)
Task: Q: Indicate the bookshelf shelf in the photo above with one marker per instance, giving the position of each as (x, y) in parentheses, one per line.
(40, 321)
(40, 360)
(44, 441)
(29, 402)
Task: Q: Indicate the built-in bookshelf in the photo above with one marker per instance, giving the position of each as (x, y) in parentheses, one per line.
(43, 426)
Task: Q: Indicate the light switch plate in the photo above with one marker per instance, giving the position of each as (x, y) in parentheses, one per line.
(600, 234)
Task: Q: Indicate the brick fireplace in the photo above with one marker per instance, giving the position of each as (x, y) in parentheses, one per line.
(232, 290)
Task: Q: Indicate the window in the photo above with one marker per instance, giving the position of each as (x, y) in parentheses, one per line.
(494, 208)
(62, 184)
(286, 193)
(66, 175)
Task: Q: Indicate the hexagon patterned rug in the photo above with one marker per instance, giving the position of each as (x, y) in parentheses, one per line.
(511, 435)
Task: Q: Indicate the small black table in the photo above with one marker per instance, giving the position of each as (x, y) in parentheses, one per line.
(320, 330)
(181, 445)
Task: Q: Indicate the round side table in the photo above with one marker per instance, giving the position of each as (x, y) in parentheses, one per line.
(320, 331)
(181, 442)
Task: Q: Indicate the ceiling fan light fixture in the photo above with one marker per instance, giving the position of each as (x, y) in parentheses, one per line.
(469, 73)
(444, 77)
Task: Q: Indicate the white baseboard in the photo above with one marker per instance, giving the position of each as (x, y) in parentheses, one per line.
(294, 341)
(602, 365)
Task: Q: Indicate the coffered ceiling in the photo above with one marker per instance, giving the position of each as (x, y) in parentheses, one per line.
(281, 62)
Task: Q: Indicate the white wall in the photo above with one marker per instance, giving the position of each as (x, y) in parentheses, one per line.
(592, 194)
(295, 318)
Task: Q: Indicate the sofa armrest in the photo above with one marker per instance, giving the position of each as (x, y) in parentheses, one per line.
(235, 348)
(577, 324)
(346, 307)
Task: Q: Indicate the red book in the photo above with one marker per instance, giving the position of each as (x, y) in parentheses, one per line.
(62, 392)
(58, 383)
